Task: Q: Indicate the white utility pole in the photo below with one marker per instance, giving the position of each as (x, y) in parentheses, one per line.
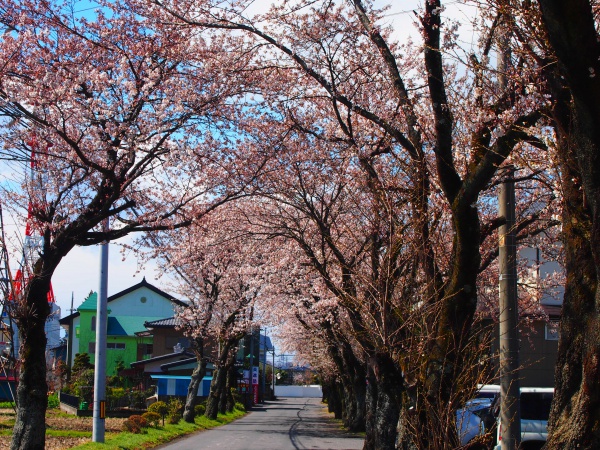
(100, 356)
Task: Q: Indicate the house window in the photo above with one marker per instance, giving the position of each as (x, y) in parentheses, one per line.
(115, 346)
(92, 348)
(552, 331)
(93, 323)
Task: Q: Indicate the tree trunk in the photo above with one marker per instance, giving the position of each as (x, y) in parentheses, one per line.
(383, 404)
(331, 393)
(198, 374)
(219, 381)
(29, 432)
(231, 386)
(216, 388)
(357, 421)
(223, 397)
(575, 416)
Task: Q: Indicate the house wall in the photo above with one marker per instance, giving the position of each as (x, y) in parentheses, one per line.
(133, 304)
(165, 339)
(74, 340)
(537, 356)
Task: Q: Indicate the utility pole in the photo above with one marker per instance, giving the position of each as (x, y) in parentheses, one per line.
(250, 384)
(510, 414)
(98, 428)
(273, 372)
(264, 361)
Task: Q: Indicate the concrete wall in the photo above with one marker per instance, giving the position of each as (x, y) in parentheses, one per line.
(313, 391)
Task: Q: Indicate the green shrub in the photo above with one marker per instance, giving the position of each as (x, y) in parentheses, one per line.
(175, 406)
(237, 397)
(53, 401)
(239, 406)
(152, 418)
(199, 410)
(160, 408)
(174, 419)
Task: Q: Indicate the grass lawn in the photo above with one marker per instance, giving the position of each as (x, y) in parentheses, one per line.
(67, 431)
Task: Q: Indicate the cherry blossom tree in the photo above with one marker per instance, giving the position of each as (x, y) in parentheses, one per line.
(307, 315)
(130, 127)
(572, 30)
(562, 38)
(396, 138)
(222, 270)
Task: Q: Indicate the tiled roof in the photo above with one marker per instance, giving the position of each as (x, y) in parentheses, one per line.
(170, 322)
(175, 356)
(553, 311)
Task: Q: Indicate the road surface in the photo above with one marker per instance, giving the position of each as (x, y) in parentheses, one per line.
(288, 423)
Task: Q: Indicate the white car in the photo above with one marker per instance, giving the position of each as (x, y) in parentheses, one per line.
(535, 410)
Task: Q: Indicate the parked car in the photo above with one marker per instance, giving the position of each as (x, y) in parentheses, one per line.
(471, 420)
(476, 418)
(535, 410)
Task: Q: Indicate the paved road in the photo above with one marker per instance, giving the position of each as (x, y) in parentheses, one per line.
(289, 423)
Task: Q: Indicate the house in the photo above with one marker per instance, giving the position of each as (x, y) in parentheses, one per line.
(543, 291)
(171, 358)
(128, 311)
(538, 348)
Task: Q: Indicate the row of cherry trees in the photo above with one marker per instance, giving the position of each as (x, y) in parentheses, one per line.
(304, 164)
(382, 179)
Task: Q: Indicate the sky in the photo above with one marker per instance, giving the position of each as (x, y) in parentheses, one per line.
(78, 273)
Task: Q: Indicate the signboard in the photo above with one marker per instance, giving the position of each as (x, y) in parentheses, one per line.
(255, 383)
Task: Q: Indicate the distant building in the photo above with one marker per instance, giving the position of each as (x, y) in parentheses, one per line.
(128, 311)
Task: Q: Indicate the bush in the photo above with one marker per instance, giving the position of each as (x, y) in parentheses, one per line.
(237, 397)
(239, 406)
(53, 401)
(161, 408)
(174, 419)
(175, 406)
(199, 410)
(135, 424)
(152, 418)
(139, 420)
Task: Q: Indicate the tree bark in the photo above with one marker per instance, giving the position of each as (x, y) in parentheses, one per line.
(216, 387)
(198, 374)
(231, 385)
(219, 381)
(383, 403)
(29, 432)
(575, 416)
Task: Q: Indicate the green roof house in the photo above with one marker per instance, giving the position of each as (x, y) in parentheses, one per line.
(128, 310)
